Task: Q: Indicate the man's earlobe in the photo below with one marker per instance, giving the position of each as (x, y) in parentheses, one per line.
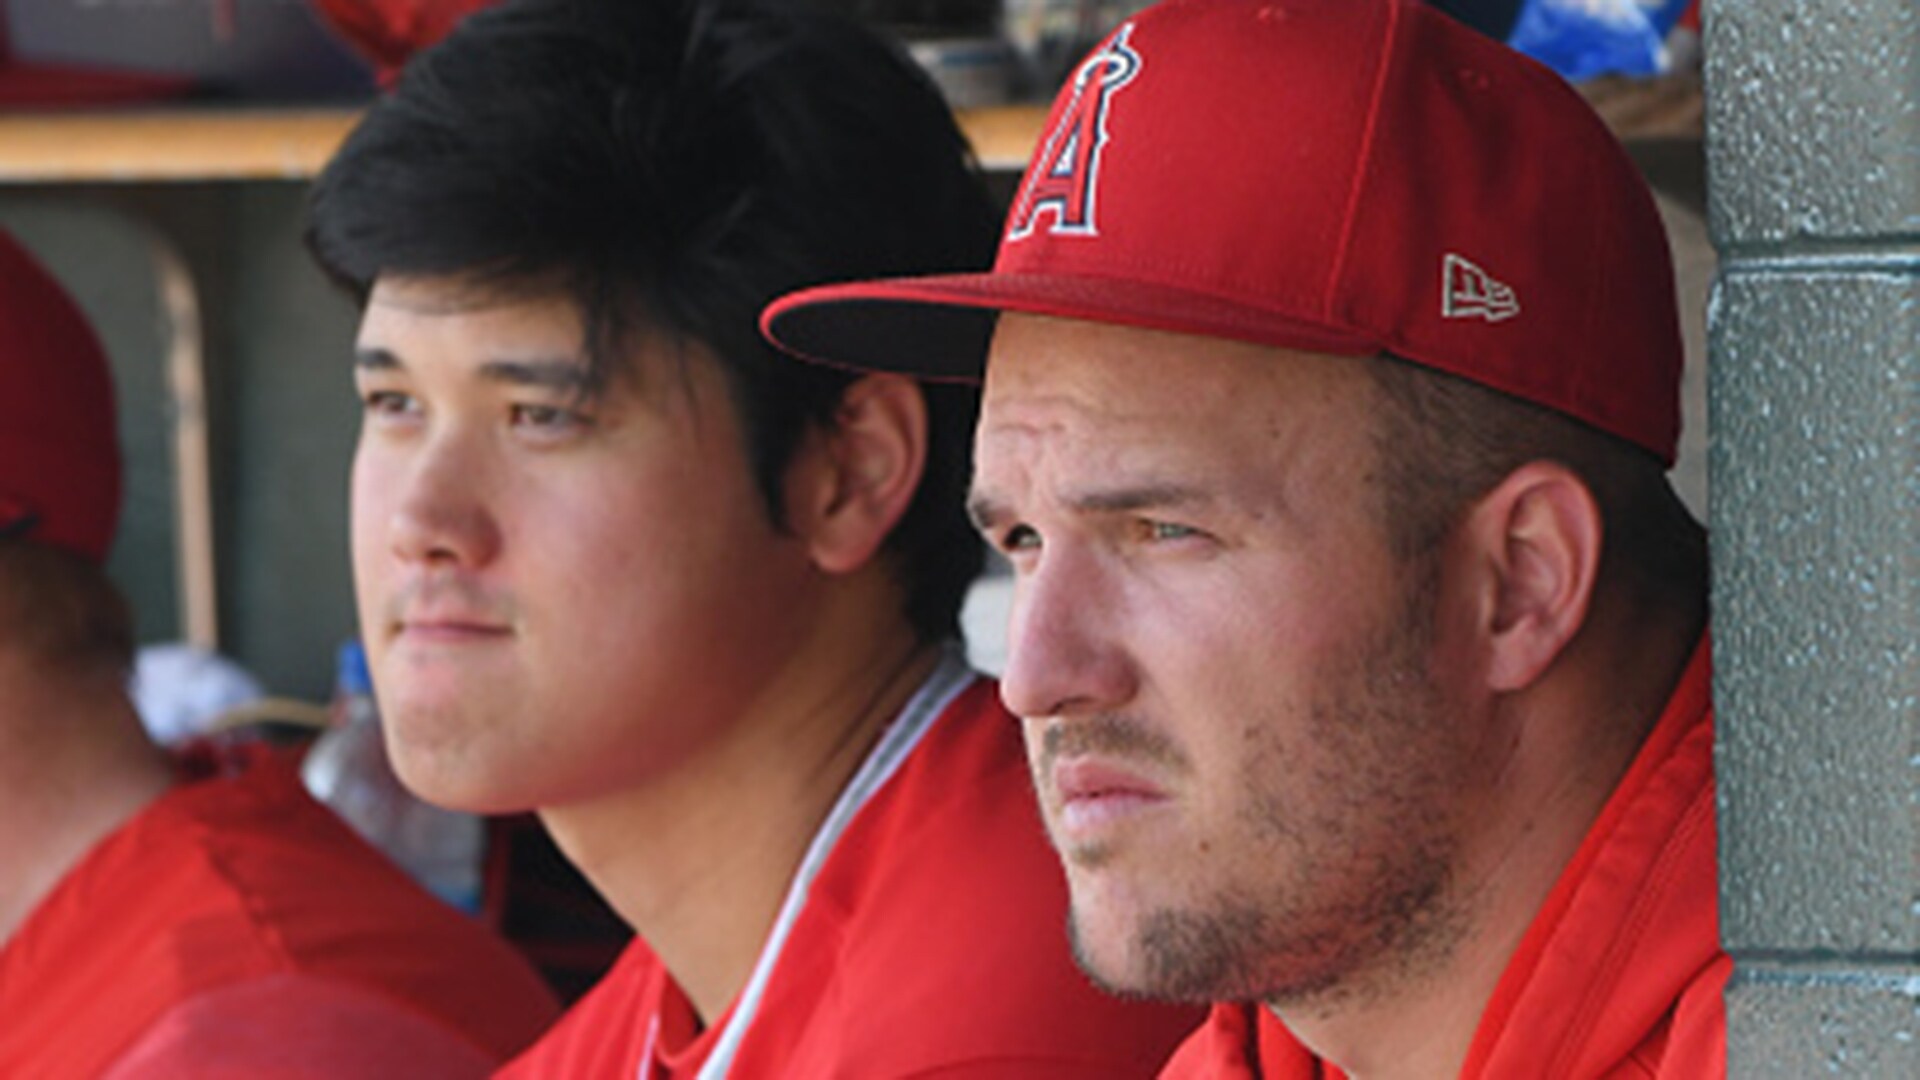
(868, 468)
(1540, 533)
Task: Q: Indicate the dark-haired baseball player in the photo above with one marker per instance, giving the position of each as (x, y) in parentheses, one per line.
(621, 562)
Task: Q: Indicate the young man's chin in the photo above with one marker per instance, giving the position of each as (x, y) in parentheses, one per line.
(436, 757)
(451, 786)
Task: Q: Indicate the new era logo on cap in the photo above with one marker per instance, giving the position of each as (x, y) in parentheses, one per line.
(1466, 292)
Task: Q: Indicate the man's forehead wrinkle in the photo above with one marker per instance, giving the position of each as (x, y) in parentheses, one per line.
(1131, 424)
(1042, 392)
(1105, 402)
(1252, 479)
(1048, 420)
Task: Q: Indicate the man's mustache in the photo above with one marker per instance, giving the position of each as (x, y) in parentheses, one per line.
(1108, 735)
(439, 596)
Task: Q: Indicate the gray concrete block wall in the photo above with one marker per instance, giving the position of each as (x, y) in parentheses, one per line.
(1801, 1020)
(1813, 154)
(1813, 118)
(1817, 490)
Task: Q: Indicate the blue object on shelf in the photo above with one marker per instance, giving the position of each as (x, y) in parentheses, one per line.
(350, 669)
(1582, 39)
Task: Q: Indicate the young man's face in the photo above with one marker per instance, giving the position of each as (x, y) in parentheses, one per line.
(561, 596)
(1239, 734)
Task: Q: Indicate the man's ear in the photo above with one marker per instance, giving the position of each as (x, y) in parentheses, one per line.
(861, 473)
(1538, 537)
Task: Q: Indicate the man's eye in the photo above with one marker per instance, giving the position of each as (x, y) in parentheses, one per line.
(388, 403)
(548, 419)
(1019, 538)
(1164, 531)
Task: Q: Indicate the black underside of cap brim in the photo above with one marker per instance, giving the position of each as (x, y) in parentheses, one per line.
(928, 340)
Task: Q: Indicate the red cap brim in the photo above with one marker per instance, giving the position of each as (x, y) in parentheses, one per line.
(939, 326)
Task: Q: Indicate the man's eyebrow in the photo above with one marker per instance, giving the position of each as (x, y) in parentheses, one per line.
(1142, 497)
(375, 359)
(562, 374)
(985, 510)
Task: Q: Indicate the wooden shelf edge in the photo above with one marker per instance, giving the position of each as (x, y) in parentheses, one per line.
(228, 143)
(1003, 135)
(169, 144)
(290, 144)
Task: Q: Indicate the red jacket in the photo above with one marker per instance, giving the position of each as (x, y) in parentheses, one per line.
(237, 927)
(932, 942)
(1620, 975)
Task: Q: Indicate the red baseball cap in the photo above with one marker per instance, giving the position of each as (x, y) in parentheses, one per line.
(59, 447)
(388, 32)
(1341, 176)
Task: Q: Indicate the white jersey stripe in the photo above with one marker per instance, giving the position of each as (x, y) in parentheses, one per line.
(947, 681)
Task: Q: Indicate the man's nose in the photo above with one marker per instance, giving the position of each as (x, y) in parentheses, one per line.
(442, 514)
(1065, 651)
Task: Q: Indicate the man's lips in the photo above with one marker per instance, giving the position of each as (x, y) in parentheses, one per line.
(449, 628)
(448, 610)
(1094, 794)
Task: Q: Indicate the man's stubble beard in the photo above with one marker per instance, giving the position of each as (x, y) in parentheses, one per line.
(1363, 909)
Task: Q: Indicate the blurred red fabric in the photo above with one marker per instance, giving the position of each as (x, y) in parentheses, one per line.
(387, 32)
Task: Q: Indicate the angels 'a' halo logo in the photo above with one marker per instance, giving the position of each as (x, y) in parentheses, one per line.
(1063, 181)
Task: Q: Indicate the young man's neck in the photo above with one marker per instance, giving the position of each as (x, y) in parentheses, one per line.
(75, 765)
(1609, 697)
(698, 861)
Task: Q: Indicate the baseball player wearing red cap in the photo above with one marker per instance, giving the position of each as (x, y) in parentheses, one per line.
(620, 561)
(197, 916)
(1331, 376)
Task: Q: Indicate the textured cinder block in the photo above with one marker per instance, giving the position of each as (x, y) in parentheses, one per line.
(1813, 119)
(1799, 1023)
(1816, 542)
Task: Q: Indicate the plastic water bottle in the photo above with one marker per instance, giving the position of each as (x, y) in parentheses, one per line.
(347, 768)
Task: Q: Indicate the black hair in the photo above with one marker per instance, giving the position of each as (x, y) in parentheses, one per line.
(678, 164)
